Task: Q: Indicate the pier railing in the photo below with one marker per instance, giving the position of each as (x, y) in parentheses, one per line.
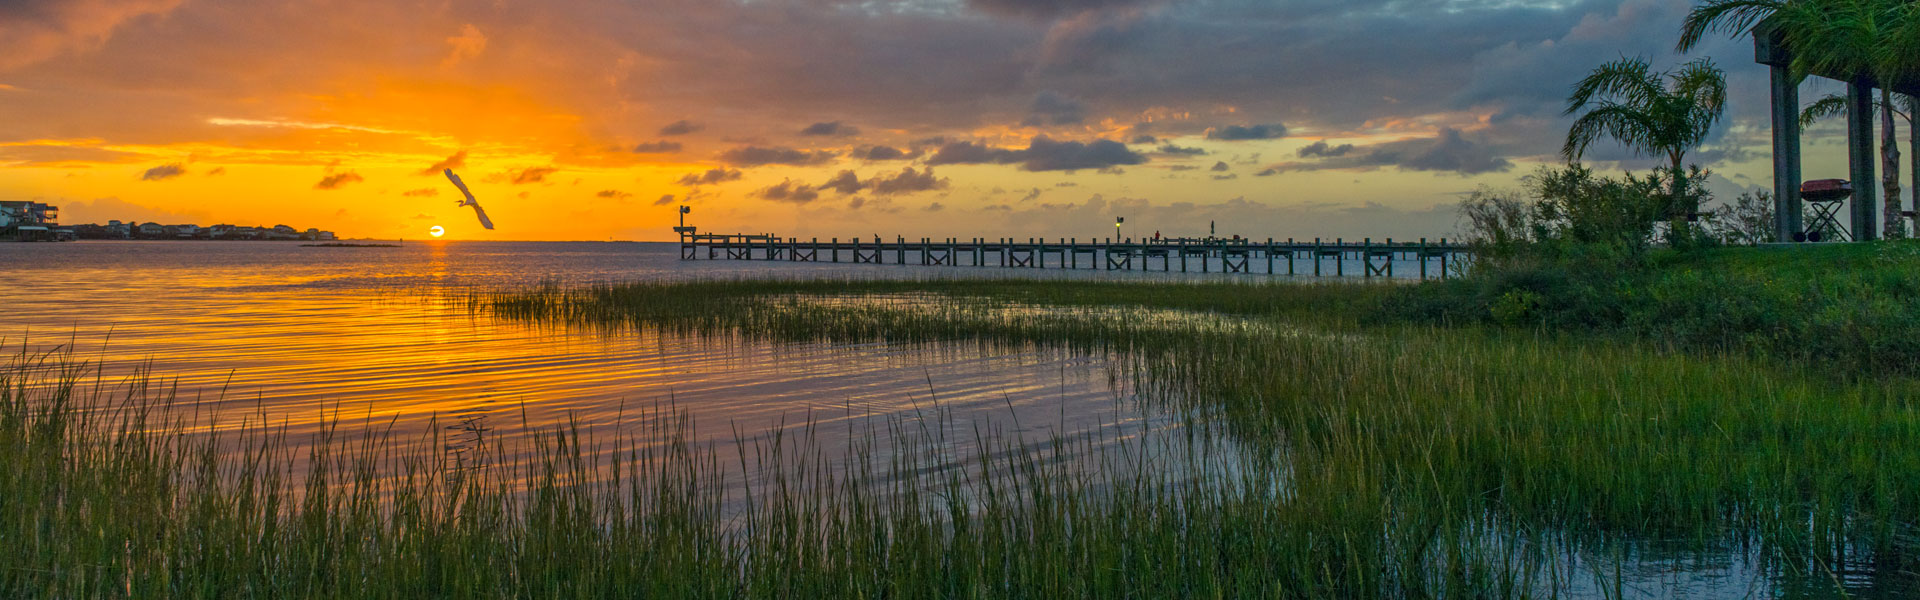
(1319, 257)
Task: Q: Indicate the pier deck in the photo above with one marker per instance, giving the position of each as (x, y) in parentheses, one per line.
(1271, 257)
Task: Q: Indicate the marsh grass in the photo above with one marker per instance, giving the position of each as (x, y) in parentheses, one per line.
(117, 489)
(1420, 431)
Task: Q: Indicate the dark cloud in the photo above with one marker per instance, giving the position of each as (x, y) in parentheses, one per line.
(710, 177)
(1226, 177)
(1055, 8)
(217, 171)
(657, 147)
(846, 182)
(1173, 150)
(164, 172)
(966, 153)
(753, 156)
(907, 181)
(830, 128)
(1248, 132)
(613, 194)
(1145, 139)
(459, 159)
(1321, 149)
(1220, 167)
(1048, 155)
(336, 180)
(788, 191)
(532, 175)
(681, 127)
(880, 153)
(664, 200)
(1042, 154)
(421, 193)
(1050, 108)
(1446, 152)
(935, 207)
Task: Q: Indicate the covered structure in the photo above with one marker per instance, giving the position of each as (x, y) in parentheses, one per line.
(1771, 49)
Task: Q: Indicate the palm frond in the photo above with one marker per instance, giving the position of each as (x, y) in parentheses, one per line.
(1831, 105)
(1633, 128)
(1630, 80)
(1703, 85)
(1731, 17)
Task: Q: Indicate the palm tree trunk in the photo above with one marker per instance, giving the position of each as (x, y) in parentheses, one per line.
(1893, 227)
(1913, 147)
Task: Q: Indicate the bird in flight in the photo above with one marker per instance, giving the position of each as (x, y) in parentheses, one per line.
(470, 201)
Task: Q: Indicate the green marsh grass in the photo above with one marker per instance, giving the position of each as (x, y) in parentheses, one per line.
(1420, 432)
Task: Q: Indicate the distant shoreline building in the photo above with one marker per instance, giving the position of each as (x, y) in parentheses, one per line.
(26, 221)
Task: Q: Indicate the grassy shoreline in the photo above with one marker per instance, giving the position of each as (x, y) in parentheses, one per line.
(1408, 460)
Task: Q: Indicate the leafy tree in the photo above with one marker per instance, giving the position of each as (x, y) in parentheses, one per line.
(1661, 114)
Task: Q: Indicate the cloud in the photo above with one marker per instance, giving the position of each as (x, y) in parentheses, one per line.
(1321, 148)
(830, 128)
(1050, 108)
(458, 160)
(1448, 151)
(421, 193)
(337, 180)
(164, 172)
(845, 182)
(469, 44)
(788, 191)
(935, 207)
(664, 200)
(613, 194)
(1042, 154)
(1172, 150)
(659, 147)
(1146, 139)
(217, 171)
(101, 210)
(533, 175)
(681, 127)
(1220, 166)
(1249, 132)
(907, 181)
(710, 177)
(422, 217)
(1055, 8)
(35, 30)
(1229, 176)
(880, 153)
(753, 156)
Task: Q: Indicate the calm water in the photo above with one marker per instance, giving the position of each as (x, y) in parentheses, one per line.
(298, 333)
(374, 332)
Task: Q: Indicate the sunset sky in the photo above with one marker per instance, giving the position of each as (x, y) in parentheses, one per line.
(592, 119)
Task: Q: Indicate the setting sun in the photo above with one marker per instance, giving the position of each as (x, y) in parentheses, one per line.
(437, 231)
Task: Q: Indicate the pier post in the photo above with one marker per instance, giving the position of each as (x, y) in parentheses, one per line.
(1340, 259)
(1316, 257)
(836, 249)
(900, 250)
(1443, 257)
(1291, 248)
(1423, 259)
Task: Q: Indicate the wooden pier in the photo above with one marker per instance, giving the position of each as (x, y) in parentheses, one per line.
(1365, 258)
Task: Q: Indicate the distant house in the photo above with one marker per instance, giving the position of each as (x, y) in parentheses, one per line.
(22, 219)
(326, 236)
(152, 230)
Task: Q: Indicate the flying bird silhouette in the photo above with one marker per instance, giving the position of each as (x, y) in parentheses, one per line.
(470, 201)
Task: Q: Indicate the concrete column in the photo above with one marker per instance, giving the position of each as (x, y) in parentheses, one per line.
(1860, 147)
(1786, 156)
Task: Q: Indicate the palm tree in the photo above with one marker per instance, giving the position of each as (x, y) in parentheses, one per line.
(1653, 114)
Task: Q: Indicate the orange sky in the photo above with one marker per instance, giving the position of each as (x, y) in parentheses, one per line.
(591, 120)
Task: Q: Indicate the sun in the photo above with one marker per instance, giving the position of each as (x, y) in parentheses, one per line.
(437, 231)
